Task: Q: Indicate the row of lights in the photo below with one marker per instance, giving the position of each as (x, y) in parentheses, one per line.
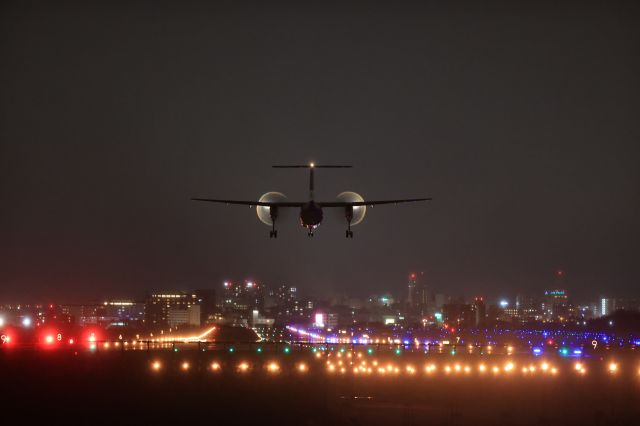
(273, 367)
(242, 367)
(509, 367)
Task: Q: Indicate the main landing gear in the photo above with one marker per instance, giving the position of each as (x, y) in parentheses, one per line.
(274, 231)
(310, 234)
(349, 216)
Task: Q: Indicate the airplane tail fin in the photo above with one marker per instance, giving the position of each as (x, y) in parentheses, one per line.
(311, 167)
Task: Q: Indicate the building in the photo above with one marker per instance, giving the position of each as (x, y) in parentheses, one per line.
(243, 298)
(480, 309)
(459, 314)
(208, 308)
(158, 306)
(189, 315)
(556, 304)
(286, 306)
(412, 291)
(125, 311)
(607, 306)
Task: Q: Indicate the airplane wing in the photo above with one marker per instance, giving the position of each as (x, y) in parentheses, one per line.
(370, 203)
(251, 203)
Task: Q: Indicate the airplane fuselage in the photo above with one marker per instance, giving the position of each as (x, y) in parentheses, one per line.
(311, 215)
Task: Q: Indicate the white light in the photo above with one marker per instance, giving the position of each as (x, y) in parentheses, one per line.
(26, 321)
(1, 322)
(504, 304)
(319, 321)
(312, 165)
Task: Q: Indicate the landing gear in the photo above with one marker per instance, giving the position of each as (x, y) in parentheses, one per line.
(349, 215)
(273, 212)
(310, 234)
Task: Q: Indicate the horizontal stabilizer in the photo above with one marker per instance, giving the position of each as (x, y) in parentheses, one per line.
(311, 166)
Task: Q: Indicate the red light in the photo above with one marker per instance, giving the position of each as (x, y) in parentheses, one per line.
(550, 342)
(453, 330)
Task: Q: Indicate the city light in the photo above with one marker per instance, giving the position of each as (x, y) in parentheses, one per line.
(185, 366)
(302, 367)
(156, 365)
(215, 366)
(613, 367)
(243, 367)
(26, 322)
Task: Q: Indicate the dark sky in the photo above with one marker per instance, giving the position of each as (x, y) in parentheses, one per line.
(520, 119)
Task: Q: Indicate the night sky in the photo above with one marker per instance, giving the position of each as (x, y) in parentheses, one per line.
(520, 120)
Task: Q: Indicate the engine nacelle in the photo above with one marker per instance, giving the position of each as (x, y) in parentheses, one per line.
(266, 214)
(357, 212)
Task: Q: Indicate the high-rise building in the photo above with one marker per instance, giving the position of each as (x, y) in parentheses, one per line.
(556, 304)
(419, 300)
(181, 315)
(411, 291)
(158, 305)
(207, 301)
(480, 309)
(243, 297)
(607, 306)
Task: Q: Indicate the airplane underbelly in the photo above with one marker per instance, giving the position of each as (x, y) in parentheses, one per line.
(310, 217)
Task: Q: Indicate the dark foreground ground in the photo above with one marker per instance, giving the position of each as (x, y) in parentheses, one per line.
(121, 388)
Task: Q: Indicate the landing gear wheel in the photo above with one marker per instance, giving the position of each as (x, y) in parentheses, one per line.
(273, 234)
(349, 234)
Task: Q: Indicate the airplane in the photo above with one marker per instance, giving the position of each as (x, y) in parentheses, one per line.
(269, 205)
